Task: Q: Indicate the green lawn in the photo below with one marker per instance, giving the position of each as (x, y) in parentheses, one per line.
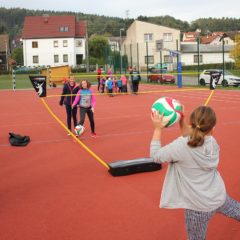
(23, 81)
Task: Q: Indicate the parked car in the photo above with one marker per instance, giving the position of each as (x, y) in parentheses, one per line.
(229, 78)
(161, 76)
(158, 66)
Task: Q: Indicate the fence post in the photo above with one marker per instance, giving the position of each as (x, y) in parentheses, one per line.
(14, 79)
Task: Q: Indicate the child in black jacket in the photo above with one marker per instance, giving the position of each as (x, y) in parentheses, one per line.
(69, 92)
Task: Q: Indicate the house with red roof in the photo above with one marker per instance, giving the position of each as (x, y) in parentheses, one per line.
(53, 40)
(190, 37)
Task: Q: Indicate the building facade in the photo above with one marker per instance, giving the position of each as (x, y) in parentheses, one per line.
(147, 44)
(207, 54)
(53, 41)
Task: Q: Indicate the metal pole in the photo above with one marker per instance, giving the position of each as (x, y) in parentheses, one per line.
(87, 50)
(6, 55)
(131, 54)
(161, 64)
(147, 58)
(120, 49)
(138, 56)
(198, 50)
(223, 67)
(14, 79)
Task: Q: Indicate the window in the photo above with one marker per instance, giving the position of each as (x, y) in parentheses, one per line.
(65, 58)
(64, 29)
(55, 43)
(149, 59)
(34, 44)
(65, 43)
(167, 37)
(148, 37)
(56, 59)
(195, 58)
(79, 43)
(168, 59)
(35, 59)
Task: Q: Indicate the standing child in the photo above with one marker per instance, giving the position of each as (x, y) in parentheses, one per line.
(70, 89)
(119, 85)
(86, 101)
(114, 85)
(124, 83)
(110, 87)
(102, 84)
(192, 181)
(106, 85)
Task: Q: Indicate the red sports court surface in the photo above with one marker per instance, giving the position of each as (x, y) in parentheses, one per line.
(53, 189)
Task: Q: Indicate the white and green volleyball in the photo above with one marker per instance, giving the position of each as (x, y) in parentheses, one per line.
(171, 109)
(79, 129)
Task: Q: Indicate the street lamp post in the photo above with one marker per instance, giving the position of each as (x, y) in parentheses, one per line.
(120, 49)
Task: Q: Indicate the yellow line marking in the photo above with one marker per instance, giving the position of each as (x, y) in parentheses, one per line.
(143, 92)
(75, 138)
(209, 98)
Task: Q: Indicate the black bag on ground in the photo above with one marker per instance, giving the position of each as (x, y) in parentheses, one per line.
(126, 167)
(18, 140)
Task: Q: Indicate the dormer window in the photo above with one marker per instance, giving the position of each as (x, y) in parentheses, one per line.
(64, 29)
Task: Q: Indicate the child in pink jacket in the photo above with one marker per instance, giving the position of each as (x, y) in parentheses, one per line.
(86, 101)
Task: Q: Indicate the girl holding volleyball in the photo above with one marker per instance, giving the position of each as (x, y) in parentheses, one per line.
(192, 181)
(86, 101)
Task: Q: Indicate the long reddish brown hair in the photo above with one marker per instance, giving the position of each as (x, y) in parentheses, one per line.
(202, 121)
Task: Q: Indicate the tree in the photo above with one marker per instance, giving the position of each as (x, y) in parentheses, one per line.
(17, 55)
(98, 48)
(235, 52)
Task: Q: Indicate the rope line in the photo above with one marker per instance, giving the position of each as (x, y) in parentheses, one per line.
(142, 92)
(74, 137)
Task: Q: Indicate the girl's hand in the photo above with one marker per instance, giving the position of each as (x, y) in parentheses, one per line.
(92, 109)
(157, 120)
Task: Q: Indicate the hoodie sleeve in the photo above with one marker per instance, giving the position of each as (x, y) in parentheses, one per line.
(168, 153)
(63, 93)
(77, 98)
(93, 99)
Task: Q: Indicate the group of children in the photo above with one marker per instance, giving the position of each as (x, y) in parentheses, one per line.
(113, 85)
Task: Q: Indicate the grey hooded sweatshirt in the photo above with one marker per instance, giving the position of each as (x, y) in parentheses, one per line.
(192, 180)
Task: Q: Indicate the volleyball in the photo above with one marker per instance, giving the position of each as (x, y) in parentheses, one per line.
(79, 129)
(171, 109)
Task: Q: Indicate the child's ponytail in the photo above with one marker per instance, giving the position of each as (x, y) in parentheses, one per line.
(202, 121)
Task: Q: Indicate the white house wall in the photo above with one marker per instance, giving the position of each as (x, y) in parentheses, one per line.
(208, 58)
(46, 51)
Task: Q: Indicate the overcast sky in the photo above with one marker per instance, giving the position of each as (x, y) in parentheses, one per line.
(186, 10)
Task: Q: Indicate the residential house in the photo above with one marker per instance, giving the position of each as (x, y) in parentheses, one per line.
(207, 54)
(53, 40)
(147, 44)
(210, 50)
(216, 39)
(190, 37)
(114, 43)
(4, 52)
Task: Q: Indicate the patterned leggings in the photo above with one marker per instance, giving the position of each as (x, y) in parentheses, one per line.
(197, 222)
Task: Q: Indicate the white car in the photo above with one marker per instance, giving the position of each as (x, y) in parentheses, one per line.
(229, 78)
